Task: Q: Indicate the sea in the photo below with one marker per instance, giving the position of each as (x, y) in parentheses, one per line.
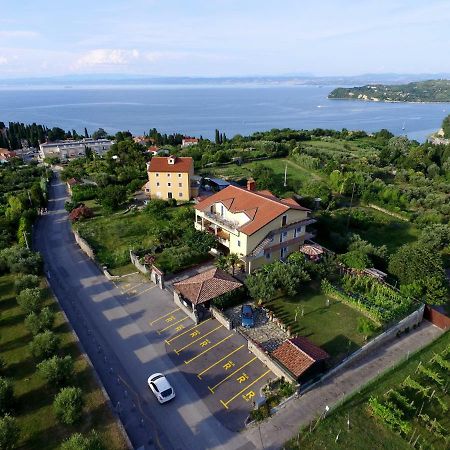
(199, 110)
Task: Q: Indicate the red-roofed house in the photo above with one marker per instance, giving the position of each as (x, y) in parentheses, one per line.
(6, 155)
(258, 226)
(171, 177)
(188, 141)
(301, 357)
(194, 294)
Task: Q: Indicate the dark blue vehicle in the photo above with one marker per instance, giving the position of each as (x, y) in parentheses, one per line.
(247, 319)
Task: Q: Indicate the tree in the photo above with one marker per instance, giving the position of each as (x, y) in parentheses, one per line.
(68, 405)
(30, 300)
(6, 395)
(112, 197)
(39, 322)
(9, 432)
(21, 260)
(217, 137)
(258, 287)
(86, 134)
(26, 282)
(446, 127)
(44, 345)
(79, 442)
(57, 371)
(99, 134)
(80, 213)
(56, 134)
(365, 327)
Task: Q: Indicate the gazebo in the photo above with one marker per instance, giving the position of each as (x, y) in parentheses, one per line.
(194, 294)
(313, 251)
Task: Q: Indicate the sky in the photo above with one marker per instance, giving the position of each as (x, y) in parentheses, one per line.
(223, 37)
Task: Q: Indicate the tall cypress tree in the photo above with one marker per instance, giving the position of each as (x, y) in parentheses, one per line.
(217, 139)
(86, 134)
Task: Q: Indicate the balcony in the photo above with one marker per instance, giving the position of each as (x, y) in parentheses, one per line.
(231, 225)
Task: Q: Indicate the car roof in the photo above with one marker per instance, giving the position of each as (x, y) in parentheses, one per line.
(162, 384)
(247, 307)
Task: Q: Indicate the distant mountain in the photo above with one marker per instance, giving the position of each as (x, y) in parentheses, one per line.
(149, 80)
(419, 91)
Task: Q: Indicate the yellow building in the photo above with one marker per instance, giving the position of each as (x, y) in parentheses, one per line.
(171, 177)
(259, 227)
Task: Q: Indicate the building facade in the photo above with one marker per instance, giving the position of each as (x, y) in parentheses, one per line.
(171, 177)
(73, 149)
(259, 227)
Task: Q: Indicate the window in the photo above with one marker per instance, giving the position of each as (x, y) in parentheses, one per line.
(284, 220)
(180, 194)
(297, 231)
(283, 252)
(156, 174)
(169, 195)
(180, 184)
(283, 236)
(157, 183)
(169, 184)
(221, 210)
(168, 174)
(179, 175)
(267, 255)
(239, 243)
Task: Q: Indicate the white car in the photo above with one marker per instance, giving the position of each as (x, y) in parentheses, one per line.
(161, 387)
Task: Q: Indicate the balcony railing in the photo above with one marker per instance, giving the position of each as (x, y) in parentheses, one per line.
(224, 222)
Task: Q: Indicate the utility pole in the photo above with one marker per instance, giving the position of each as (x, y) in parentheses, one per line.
(285, 175)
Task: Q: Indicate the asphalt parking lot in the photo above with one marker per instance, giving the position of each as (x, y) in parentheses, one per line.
(214, 360)
(216, 363)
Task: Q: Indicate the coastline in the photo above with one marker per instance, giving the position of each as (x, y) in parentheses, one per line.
(389, 101)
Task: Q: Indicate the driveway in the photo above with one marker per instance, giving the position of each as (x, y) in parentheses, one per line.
(114, 331)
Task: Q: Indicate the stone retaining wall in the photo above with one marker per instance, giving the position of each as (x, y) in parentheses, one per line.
(221, 318)
(85, 247)
(266, 359)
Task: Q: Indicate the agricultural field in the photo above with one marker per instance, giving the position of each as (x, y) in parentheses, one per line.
(40, 430)
(405, 408)
(328, 323)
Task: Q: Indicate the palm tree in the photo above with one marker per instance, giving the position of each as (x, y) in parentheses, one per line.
(233, 259)
(222, 262)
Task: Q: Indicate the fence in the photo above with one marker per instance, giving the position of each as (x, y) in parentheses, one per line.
(436, 318)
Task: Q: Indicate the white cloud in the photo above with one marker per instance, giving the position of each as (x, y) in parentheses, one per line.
(3, 60)
(103, 56)
(5, 34)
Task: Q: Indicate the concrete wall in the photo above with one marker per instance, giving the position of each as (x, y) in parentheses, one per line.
(266, 359)
(221, 318)
(186, 309)
(85, 247)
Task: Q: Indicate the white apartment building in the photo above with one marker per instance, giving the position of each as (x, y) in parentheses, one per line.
(73, 149)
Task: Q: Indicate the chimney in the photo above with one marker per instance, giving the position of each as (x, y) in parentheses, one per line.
(251, 185)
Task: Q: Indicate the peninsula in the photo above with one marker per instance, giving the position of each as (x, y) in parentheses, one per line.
(419, 91)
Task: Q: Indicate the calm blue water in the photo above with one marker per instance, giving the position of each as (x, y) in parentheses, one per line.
(200, 110)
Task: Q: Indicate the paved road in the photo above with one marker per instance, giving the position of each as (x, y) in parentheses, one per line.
(299, 412)
(108, 324)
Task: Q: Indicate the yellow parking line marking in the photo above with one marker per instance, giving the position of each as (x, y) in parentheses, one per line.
(148, 289)
(172, 324)
(243, 390)
(208, 349)
(131, 288)
(162, 317)
(231, 374)
(168, 341)
(218, 362)
(178, 350)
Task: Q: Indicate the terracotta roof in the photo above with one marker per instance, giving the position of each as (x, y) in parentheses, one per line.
(161, 164)
(206, 285)
(298, 355)
(73, 182)
(190, 139)
(7, 153)
(260, 207)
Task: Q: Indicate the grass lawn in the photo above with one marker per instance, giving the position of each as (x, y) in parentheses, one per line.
(380, 229)
(295, 173)
(365, 431)
(40, 429)
(333, 327)
(112, 236)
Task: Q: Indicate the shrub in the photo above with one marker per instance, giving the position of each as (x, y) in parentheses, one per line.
(57, 371)
(44, 345)
(68, 405)
(21, 260)
(39, 322)
(6, 395)
(30, 300)
(26, 282)
(2, 364)
(79, 442)
(365, 326)
(9, 432)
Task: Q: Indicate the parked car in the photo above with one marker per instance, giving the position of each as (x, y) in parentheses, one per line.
(161, 387)
(247, 316)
